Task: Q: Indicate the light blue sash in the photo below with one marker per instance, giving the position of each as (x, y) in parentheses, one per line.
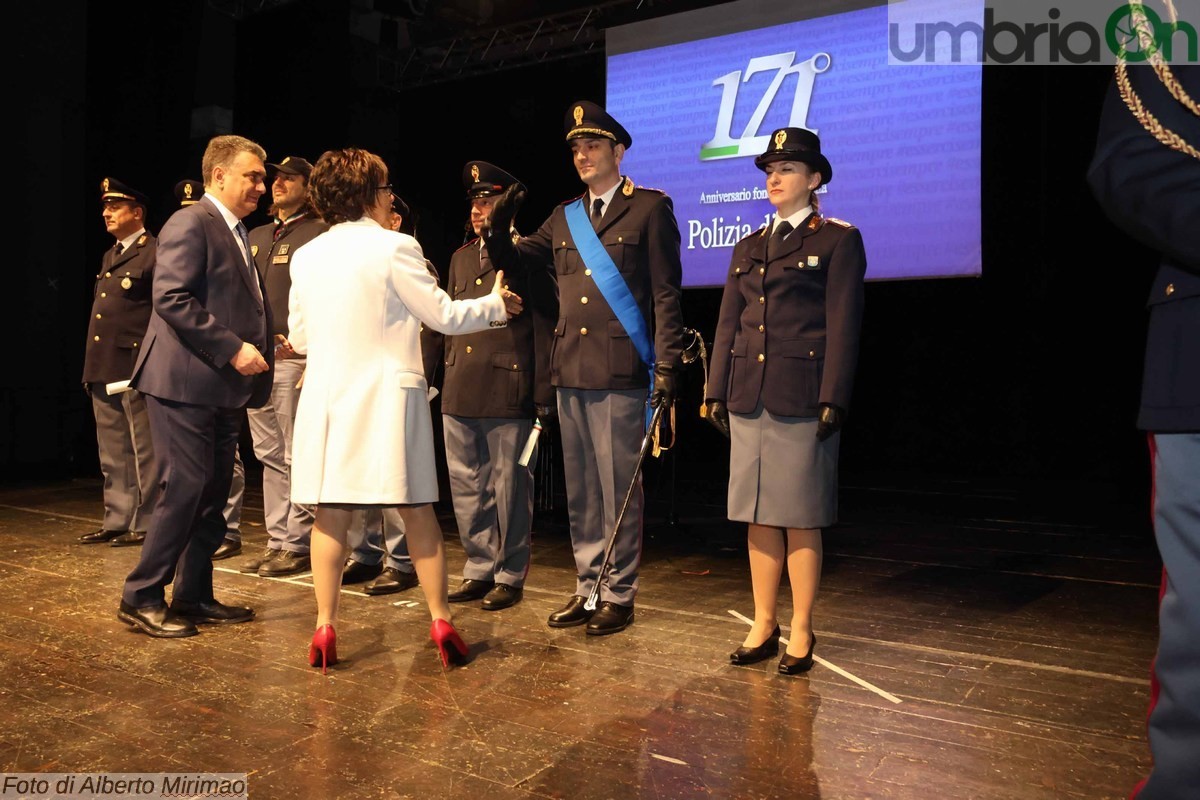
(612, 285)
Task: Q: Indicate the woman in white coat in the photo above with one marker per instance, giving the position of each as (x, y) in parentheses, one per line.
(363, 432)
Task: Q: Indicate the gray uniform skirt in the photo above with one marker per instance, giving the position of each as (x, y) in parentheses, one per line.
(779, 474)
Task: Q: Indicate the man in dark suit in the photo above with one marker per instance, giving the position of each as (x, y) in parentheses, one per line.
(208, 354)
(116, 328)
(600, 366)
(188, 192)
(493, 382)
(289, 525)
(1146, 175)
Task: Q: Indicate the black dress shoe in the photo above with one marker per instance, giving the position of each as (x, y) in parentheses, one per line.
(502, 596)
(357, 572)
(794, 665)
(228, 549)
(570, 615)
(753, 655)
(609, 618)
(390, 581)
(102, 535)
(287, 562)
(251, 567)
(470, 589)
(158, 621)
(212, 613)
(130, 539)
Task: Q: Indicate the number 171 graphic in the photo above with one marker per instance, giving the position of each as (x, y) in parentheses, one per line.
(723, 145)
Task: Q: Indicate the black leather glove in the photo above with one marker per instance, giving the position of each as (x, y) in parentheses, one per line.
(545, 412)
(717, 415)
(664, 386)
(829, 421)
(505, 211)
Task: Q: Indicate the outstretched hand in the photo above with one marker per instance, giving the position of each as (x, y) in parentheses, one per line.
(512, 301)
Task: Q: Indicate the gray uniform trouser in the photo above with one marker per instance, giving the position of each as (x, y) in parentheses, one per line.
(375, 533)
(493, 495)
(288, 524)
(1174, 724)
(602, 433)
(126, 458)
(233, 506)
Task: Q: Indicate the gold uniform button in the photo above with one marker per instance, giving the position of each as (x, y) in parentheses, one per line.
(479, 281)
(583, 300)
(620, 238)
(762, 300)
(468, 348)
(812, 353)
(104, 294)
(737, 270)
(1170, 289)
(761, 358)
(583, 331)
(99, 317)
(135, 344)
(587, 272)
(514, 366)
(564, 244)
(761, 328)
(95, 338)
(108, 274)
(762, 270)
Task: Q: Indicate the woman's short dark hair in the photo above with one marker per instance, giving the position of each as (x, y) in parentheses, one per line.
(345, 183)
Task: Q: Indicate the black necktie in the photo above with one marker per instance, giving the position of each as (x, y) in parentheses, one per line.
(118, 248)
(776, 240)
(597, 212)
(278, 231)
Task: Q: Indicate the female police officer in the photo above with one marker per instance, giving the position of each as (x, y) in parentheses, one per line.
(783, 365)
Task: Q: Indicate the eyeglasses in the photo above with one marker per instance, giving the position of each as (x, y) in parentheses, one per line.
(386, 186)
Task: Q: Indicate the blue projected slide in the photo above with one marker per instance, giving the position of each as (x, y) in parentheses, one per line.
(904, 141)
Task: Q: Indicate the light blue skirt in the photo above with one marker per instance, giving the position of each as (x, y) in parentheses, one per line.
(779, 474)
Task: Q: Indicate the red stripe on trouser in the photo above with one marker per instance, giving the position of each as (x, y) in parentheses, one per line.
(1162, 590)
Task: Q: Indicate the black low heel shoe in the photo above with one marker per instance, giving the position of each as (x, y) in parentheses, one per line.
(794, 665)
(753, 655)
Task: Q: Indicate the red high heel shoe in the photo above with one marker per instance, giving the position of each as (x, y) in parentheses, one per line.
(323, 650)
(450, 645)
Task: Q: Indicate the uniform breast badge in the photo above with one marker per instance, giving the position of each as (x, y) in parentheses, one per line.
(126, 283)
(814, 261)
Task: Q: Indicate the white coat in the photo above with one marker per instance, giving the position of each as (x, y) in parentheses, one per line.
(363, 432)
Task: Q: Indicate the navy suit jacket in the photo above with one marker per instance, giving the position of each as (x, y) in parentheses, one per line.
(205, 306)
(1153, 192)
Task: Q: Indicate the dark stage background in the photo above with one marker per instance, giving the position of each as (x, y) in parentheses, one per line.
(1028, 374)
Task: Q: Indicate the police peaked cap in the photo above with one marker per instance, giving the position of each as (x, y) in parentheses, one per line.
(585, 118)
(113, 189)
(188, 191)
(796, 144)
(482, 179)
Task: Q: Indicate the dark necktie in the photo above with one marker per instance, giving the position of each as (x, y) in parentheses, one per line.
(245, 239)
(118, 248)
(278, 231)
(597, 212)
(776, 240)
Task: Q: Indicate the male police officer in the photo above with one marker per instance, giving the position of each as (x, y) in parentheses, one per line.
(615, 251)
(493, 381)
(120, 313)
(296, 223)
(1146, 176)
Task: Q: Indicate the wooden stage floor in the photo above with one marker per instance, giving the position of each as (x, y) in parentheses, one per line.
(974, 644)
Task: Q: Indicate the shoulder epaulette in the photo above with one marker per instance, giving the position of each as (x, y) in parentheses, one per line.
(471, 243)
(840, 222)
(570, 200)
